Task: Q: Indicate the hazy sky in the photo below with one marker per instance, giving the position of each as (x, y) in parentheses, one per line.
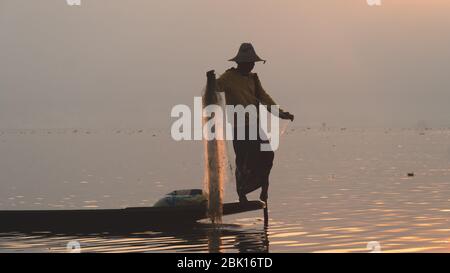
(112, 63)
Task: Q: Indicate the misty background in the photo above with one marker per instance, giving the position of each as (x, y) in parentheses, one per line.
(124, 64)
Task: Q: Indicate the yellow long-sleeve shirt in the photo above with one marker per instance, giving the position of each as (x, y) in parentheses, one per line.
(242, 90)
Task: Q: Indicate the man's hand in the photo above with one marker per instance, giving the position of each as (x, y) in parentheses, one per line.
(286, 115)
(211, 75)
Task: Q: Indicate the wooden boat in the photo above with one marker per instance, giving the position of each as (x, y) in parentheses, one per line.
(104, 220)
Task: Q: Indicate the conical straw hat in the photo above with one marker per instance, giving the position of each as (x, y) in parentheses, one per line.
(247, 53)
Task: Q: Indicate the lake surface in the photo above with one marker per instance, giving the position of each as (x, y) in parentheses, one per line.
(332, 189)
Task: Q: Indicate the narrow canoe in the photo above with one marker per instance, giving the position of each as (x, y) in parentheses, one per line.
(138, 218)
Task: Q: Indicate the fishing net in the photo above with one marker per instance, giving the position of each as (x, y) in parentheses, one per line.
(218, 168)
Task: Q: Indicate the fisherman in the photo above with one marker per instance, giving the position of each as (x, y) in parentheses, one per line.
(244, 88)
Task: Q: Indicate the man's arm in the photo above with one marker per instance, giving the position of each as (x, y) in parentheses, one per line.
(267, 100)
(212, 86)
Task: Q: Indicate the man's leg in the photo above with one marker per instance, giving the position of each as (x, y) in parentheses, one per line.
(240, 152)
(264, 193)
(267, 163)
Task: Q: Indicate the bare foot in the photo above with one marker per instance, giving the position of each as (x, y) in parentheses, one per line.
(263, 196)
(243, 199)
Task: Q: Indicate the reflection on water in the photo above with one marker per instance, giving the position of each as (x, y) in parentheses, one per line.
(201, 238)
(331, 190)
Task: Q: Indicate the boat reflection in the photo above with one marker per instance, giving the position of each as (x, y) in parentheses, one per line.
(199, 238)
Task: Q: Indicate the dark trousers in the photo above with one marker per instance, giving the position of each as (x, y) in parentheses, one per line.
(253, 166)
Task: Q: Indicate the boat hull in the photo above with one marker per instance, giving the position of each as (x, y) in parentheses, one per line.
(105, 220)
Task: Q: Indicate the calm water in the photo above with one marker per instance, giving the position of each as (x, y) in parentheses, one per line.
(332, 190)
